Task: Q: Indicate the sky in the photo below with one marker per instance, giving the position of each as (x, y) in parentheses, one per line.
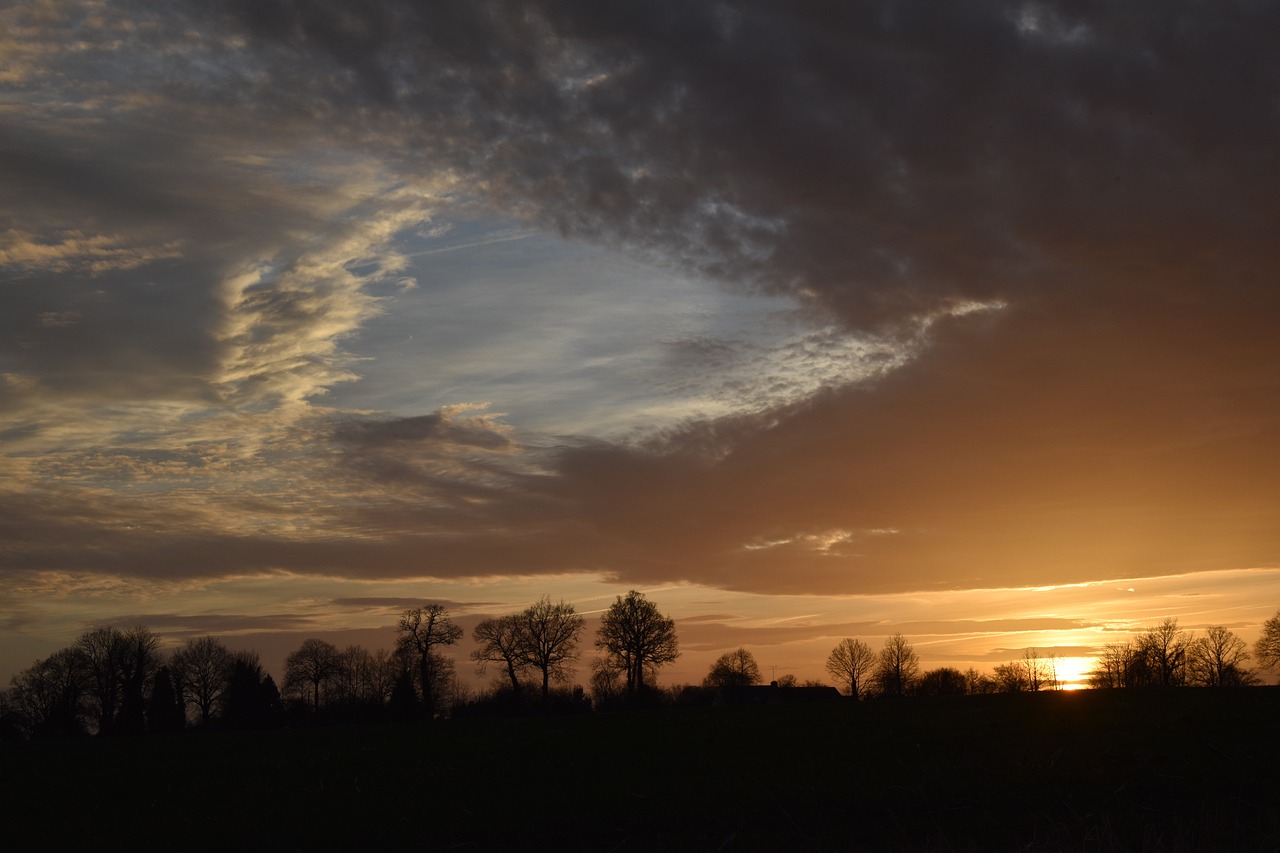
(808, 320)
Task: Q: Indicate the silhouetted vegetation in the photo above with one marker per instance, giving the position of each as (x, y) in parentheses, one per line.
(852, 664)
(499, 641)
(944, 681)
(636, 640)
(165, 712)
(1166, 656)
(1268, 646)
(896, 667)
(203, 670)
(113, 681)
(313, 665)
(251, 700)
(737, 668)
(1029, 673)
(542, 638)
(924, 760)
(422, 631)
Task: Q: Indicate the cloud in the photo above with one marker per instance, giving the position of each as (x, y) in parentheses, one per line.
(191, 625)
(1034, 242)
(708, 634)
(94, 254)
(399, 603)
(887, 162)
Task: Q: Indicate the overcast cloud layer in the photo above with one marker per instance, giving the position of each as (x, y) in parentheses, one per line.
(1018, 261)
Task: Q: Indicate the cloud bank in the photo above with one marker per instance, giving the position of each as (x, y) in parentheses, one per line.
(1051, 221)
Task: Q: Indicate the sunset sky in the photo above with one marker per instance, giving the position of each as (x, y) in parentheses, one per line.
(810, 320)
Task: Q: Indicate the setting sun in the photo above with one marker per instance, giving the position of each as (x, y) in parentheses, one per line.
(681, 424)
(1073, 673)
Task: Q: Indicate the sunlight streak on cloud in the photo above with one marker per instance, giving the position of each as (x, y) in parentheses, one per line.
(967, 306)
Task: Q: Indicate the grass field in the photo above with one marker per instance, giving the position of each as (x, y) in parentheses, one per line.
(1092, 770)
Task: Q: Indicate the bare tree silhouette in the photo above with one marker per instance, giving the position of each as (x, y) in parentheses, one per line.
(607, 685)
(1030, 672)
(119, 664)
(548, 640)
(897, 667)
(1217, 659)
(943, 681)
(49, 697)
(1165, 650)
(636, 639)
(1011, 677)
(362, 680)
(136, 666)
(852, 663)
(422, 630)
(498, 641)
(1267, 649)
(737, 668)
(202, 669)
(100, 650)
(1114, 667)
(312, 665)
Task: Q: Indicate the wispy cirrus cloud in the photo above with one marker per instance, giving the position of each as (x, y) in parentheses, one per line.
(1000, 275)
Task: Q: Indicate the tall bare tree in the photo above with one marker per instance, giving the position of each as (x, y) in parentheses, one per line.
(136, 665)
(381, 679)
(1267, 649)
(498, 641)
(422, 631)
(311, 666)
(100, 651)
(1035, 673)
(548, 640)
(637, 639)
(851, 663)
(1217, 659)
(120, 664)
(202, 669)
(897, 667)
(361, 678)
(1165, 649)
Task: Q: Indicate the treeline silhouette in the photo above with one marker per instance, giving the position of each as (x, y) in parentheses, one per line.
(114, 681)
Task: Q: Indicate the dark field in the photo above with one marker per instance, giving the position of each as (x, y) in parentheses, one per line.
(1178, 770)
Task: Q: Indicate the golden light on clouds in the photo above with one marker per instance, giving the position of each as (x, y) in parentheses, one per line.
(811, 341)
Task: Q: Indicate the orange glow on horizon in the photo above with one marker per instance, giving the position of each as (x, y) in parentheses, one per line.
(1073, 672)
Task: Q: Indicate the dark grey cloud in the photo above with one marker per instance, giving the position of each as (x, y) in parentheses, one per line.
(1103, 173)
(883, 159)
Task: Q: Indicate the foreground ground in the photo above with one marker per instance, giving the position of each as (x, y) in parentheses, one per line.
(1178, 770)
